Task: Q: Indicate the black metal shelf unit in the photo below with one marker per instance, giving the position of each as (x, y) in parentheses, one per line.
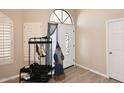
(39, 71)
(46, 42)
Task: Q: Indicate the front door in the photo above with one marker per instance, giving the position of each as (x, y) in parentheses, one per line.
(66, 39)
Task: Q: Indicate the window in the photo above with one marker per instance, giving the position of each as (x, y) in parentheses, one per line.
(6, 40)
(61, 16)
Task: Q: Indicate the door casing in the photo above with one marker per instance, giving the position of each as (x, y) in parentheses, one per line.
(107, 43)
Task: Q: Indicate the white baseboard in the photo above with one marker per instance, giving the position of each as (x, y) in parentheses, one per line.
(96, 72)
(9, 78)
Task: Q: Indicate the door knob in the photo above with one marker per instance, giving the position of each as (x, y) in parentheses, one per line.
(110, 52)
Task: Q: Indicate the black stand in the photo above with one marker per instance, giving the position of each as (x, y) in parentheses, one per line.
(37, 71)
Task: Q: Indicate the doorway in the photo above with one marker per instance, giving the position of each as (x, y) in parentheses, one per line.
(115, 48)
(65, 35)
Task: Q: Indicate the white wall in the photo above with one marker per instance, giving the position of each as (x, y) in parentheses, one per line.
(91, 37)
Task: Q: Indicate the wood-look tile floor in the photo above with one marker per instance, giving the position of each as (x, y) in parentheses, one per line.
(76, 74)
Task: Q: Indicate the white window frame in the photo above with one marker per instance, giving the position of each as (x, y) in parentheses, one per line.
(58, 17)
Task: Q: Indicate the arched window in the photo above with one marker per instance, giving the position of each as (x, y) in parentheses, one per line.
(61, 16)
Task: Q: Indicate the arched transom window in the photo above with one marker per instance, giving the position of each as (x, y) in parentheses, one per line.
(60, 16)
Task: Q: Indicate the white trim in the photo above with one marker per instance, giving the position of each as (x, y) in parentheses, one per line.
(82, 66)
(9, 78)
(96, 72)
(107, 49)
(114, 20)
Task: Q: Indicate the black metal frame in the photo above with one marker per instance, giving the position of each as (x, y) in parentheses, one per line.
(39, 40)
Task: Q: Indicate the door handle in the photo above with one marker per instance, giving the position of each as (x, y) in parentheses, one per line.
(110, 52)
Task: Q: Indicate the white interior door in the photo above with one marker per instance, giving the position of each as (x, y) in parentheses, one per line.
(116, 49)
(66, 39)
